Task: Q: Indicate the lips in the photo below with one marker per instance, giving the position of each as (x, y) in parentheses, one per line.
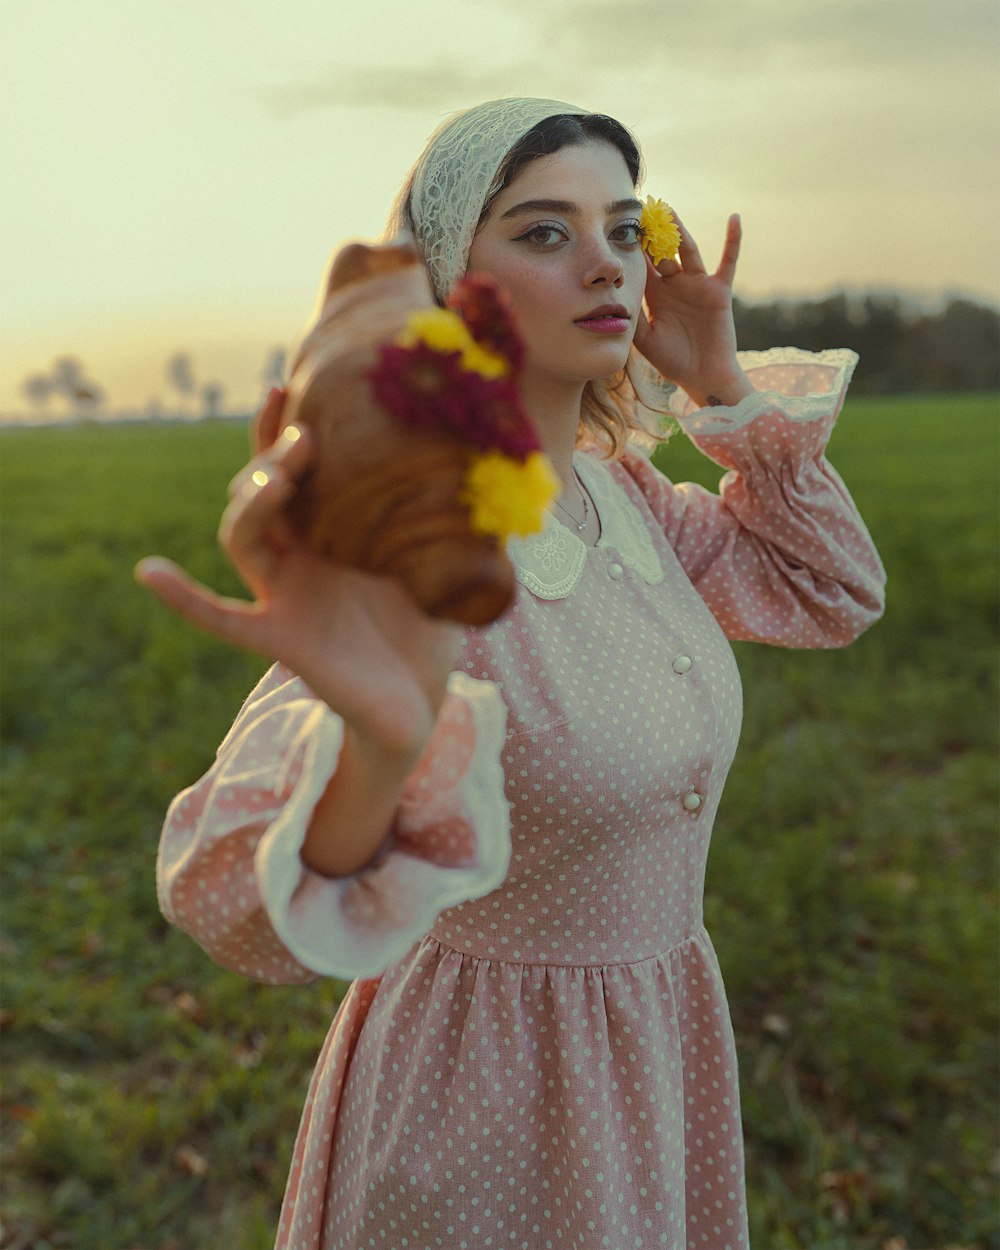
(606, 319)
(617, 311)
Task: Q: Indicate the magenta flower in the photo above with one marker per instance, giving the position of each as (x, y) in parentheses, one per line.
(490, 317)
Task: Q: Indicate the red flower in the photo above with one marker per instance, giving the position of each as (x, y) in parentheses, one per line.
(503, 425)
(419, 385)
(429, 390)
(490, 317)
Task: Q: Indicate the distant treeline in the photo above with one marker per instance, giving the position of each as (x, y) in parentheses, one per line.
(902, 347)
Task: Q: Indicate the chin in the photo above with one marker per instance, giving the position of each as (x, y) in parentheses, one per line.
(607, 366)
(589, 363)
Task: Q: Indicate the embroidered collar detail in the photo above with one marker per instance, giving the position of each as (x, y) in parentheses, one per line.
(551, 563)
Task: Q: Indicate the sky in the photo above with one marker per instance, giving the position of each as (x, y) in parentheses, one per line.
(177, 173)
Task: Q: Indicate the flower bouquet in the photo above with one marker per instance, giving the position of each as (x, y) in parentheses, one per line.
(427, 462)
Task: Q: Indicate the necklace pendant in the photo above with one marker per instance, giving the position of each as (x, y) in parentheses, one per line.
(580, 525)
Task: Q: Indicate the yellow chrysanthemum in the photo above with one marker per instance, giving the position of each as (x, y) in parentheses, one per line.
(661, 238)
(508, 496)
(487, 364)
(442, 330)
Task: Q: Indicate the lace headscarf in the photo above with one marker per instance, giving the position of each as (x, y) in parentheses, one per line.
(443, 198)
(442, 201)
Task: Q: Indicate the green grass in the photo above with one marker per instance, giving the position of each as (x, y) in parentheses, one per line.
(150, 1099)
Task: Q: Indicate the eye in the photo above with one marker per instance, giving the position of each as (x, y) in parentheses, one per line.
(628, 232)
(544, 234)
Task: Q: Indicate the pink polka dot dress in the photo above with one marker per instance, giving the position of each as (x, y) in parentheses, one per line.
(536, 1051)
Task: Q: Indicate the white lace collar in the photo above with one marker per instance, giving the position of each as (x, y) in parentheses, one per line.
(551, 563)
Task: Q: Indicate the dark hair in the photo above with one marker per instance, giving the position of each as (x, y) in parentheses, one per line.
(561, 131)
(609, 408)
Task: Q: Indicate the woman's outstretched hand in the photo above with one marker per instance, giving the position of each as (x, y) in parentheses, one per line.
(358, 641)
(688, 332)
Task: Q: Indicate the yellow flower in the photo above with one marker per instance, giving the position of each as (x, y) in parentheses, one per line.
(508, 496)
(442, 330)
(486, 363)
(661, 238)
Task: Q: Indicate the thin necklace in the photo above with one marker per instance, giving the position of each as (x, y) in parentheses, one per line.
(580, 525)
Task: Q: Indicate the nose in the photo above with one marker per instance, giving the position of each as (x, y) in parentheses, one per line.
(604, 267)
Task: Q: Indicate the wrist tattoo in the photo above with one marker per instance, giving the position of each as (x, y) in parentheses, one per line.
(713, 401)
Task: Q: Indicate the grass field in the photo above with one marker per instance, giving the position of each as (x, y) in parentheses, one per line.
(150, 1099)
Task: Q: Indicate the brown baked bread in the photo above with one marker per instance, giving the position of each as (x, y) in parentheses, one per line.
(386, 497)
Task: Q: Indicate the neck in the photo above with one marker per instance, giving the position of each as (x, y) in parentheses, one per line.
(555, 410)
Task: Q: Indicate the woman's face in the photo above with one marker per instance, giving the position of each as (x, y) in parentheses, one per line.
(563, 241)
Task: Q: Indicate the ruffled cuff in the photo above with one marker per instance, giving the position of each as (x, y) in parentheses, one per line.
(450, 843)
(804, 389)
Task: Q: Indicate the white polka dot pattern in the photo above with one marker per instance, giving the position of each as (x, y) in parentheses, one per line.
(551, 1064)
(230, 872)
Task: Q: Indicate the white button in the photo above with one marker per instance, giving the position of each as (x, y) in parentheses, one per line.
(692, 802)
(616, 571)
(681, 663)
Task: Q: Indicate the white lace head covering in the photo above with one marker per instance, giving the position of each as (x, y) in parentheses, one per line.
(443, 198)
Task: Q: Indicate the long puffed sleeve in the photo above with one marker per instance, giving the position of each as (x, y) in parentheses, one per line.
(229, 870)
(781, 554)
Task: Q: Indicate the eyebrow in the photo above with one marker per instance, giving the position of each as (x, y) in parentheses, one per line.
(567, 208)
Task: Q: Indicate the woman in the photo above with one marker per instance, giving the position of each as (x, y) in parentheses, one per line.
(502, 835)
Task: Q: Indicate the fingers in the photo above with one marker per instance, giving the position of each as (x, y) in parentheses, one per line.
(688, 254)
(643, 328)
(267, 422)
(230, 619)
(665, 269)
(291, 452)
(254, 530)
(689, 260)
(730, 250)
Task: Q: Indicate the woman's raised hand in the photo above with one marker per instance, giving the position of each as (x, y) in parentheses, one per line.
(688, 332)
(358, 641)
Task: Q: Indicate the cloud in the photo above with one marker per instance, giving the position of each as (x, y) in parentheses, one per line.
(706, 36)
(877, 117)
(690, 49)
(441, 85)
